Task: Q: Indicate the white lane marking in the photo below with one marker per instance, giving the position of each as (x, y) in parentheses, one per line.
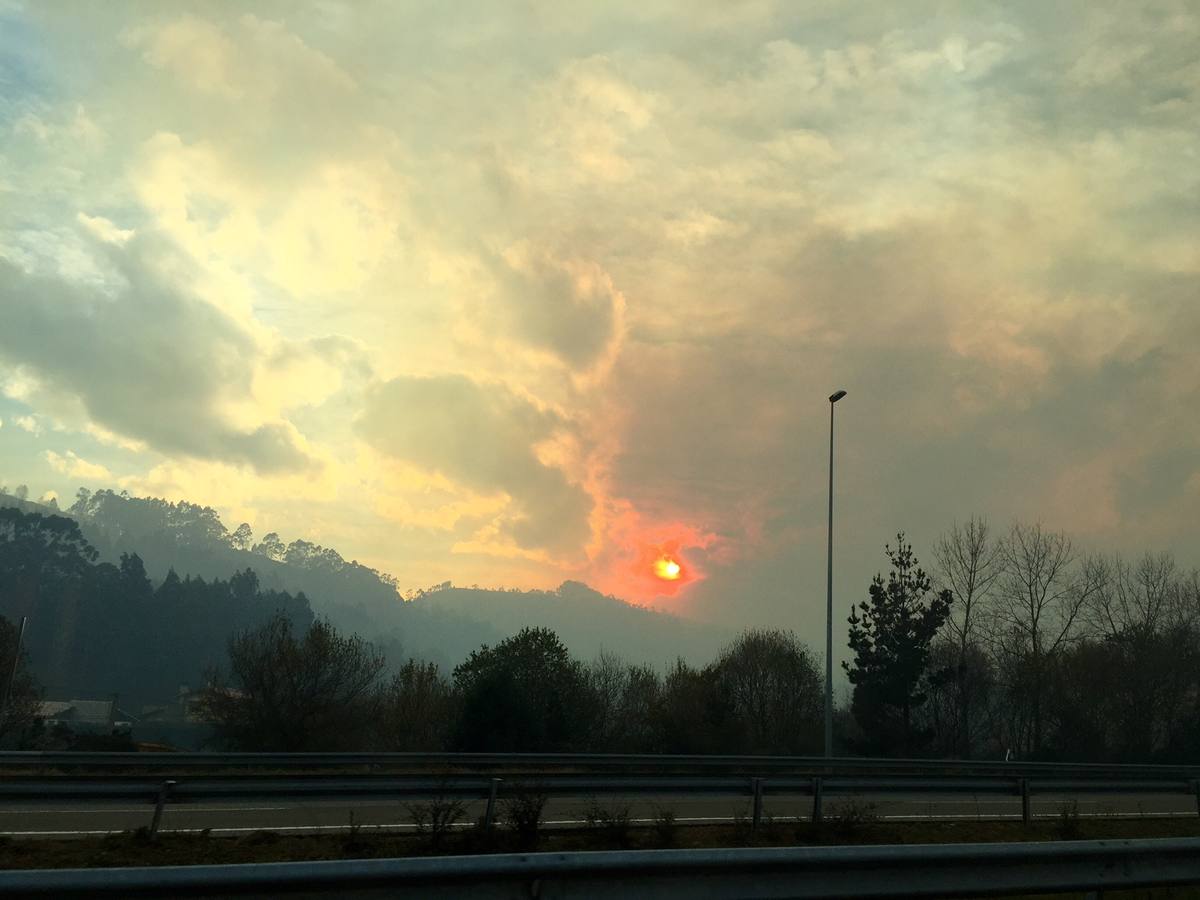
(35, 810)
(1149, 815)
(408, 826)
(336, 804)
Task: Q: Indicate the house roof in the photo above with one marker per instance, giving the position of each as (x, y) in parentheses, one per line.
(77, 710)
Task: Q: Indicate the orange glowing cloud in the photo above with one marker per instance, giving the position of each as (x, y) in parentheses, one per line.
(648, 563)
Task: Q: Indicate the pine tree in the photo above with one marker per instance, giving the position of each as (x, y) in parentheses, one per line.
(890, 635)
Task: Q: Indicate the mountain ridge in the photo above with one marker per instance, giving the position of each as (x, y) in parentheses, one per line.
(441, 624)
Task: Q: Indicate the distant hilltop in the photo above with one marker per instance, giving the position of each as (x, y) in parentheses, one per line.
(442, 624)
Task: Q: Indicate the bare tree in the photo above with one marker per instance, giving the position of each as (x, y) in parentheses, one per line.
(969, 563)
(418, 709)
(317, 691)
(1144, 614)
(1042, 597)
(638, 707)
(1136, 599)
(1185, 601)
(622, 700)
(771, 686)
(607, 678)
(958, 712)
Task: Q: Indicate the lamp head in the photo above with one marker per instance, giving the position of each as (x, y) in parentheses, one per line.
(836, 396)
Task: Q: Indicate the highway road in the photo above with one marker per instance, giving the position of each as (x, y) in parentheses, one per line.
(59, 818)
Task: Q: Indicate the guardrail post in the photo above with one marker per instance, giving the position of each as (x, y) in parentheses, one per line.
(816, 792)
(1025, 814)
(756, 786)
(163, 791)
(490, 815)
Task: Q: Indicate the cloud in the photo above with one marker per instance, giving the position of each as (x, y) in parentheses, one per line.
(142, 357)
(626, 561)
(568, 308)
(650, 240)
(485, 437)
(72, 465)
(29, 424)
(213, 60)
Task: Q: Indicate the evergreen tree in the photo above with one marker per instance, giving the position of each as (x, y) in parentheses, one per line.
(524, 694)
(890, 635)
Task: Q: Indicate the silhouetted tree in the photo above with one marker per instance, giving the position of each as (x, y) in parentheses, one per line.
(1041, 606)
(242, 538)
(418, 709)
(313, 691)
(771, 693)
(526, 693)
(17, 686)
(969, 563)
(891, 635)
(271, 547)
(37, 549)
(692, 716)
(622, 701)
(957, 713)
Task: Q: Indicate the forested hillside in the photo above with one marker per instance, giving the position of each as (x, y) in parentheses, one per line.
(99, 628)
(192, 539)
(442, 624)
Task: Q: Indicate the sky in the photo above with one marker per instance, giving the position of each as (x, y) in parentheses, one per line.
(510, 294)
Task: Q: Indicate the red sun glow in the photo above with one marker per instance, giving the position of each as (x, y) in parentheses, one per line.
(651, 563)
(659, 569)
(666, 568)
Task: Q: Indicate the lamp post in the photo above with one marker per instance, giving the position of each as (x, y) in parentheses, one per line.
(833, 398)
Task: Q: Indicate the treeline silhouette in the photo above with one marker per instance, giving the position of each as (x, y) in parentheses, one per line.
(1017, 647)
(313, 689)
(441, 624)
(1051, 653)
(99, 626)
(1013, 644)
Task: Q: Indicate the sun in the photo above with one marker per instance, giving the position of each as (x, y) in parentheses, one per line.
(666, 568)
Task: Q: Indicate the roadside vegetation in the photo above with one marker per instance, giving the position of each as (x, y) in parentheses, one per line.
(1013, 646)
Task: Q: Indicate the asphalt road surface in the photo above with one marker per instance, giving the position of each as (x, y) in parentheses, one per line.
(78, 818)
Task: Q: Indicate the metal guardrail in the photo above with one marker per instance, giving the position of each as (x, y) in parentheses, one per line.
(789, 872)
(205, 787)
(488, 776)
(576, 761)
(244, 787)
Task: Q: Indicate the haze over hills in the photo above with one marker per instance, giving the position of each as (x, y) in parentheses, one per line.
(586, 620)
(442, 624)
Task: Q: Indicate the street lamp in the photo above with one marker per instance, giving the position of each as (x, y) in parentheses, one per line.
(833, 398)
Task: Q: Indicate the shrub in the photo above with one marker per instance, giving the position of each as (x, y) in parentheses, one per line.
(665, 829)
(523, 812)
(613, 821)
(437, 817)
(1068, 821)
(849, 815)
